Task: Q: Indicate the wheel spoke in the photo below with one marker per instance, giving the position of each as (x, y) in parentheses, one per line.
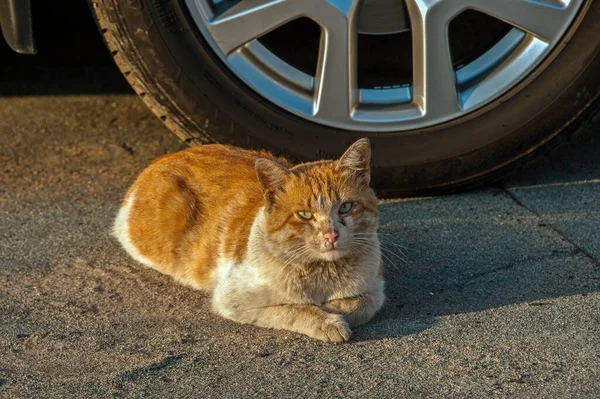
(336, 87)
(543, 20)
(250, 19)
(434, 83)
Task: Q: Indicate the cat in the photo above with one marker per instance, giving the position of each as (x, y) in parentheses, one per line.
(279, 246)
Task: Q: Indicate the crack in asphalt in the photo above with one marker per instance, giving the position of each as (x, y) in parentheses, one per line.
(520, 262)
(548, 224)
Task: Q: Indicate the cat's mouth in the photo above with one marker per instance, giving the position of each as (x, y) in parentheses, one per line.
(332, 254)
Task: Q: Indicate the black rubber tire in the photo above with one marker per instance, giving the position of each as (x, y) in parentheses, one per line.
(169, 65)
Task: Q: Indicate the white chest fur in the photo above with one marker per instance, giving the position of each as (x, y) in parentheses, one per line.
(261, 280)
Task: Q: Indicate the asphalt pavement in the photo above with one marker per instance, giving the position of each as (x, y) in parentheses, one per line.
(491, 293)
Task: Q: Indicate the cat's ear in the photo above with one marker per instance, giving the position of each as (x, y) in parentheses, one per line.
(271, 175)
(357, 158)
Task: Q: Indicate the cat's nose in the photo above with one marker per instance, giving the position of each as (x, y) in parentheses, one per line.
(331, 236)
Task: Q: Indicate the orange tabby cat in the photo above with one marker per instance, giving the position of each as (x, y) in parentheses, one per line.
(279, 246)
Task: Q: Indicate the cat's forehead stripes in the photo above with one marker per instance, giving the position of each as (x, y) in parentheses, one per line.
(320, 186)
(322, 198)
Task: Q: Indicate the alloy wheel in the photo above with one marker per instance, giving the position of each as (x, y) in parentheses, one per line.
(438, 90)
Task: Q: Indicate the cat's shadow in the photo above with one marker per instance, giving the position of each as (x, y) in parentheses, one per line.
(480, 250)
(441, 279)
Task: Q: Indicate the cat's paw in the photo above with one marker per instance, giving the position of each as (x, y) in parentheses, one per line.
(333, 329)
(343, 306)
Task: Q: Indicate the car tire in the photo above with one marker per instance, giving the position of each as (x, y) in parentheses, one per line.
(175, 72)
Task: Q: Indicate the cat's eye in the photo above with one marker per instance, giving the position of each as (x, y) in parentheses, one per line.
(345, 208)
(306, 215)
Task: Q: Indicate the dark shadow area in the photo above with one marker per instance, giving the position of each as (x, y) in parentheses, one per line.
(484, 266)
(71, 59)
(575, 162)
(526, 242)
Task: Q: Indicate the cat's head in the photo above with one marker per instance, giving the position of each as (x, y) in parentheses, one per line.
(322, 210)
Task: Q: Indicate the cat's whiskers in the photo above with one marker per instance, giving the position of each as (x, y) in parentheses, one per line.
(387, 241)
(368, 249)
(397, 248)
(387, 259)
(392, 253)
(294, 256)
(363, 242)
(366, 243)
(374, 251)
(383, 236)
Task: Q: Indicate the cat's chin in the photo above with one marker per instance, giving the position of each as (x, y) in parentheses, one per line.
(332, 255)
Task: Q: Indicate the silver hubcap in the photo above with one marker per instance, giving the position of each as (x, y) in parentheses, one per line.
(438, 93)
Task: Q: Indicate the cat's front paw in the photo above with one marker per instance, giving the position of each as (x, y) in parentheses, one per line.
(340, 306)
(333, 329)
